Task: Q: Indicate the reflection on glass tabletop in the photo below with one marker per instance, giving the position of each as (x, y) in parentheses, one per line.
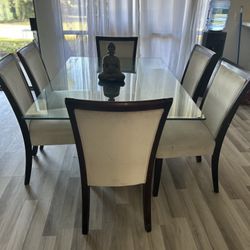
(79, 79)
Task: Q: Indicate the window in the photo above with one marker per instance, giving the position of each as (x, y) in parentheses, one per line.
(74, 26)
(15, 29)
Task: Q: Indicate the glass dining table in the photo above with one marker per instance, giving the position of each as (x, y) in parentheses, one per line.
(78, 78)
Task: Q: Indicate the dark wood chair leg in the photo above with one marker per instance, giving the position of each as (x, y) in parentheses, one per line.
(147, 206)
(34, 150)
(215, 165)
(157, 176)
(198, 158)
(28, 167)
(85, 209)
(41, 147)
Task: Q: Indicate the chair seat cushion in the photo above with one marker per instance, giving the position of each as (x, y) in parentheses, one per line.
(185, 138)
(51, 132)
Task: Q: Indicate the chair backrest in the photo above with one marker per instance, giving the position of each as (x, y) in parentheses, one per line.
(14, 85)
(117, 141)
(198, 71)
(227, 86)
(34, 66)
(125, 50)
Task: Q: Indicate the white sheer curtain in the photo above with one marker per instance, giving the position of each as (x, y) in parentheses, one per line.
(166, 28)
(111, 18)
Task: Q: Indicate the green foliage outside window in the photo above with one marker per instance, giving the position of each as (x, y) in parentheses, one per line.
(16, 10)
(11, 45)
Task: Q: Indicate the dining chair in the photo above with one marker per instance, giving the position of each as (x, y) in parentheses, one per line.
(116, 144)
(34, 132)
(125, 50)
(228, 84)
(198, 71)
(33, 64)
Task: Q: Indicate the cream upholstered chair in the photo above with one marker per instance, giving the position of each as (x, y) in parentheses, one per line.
(125, 50)
(35, 132)
(116, 144)
(198, 71)
(34, 66)
(192, 138)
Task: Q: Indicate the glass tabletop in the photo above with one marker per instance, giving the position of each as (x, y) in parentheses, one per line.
(79, 79)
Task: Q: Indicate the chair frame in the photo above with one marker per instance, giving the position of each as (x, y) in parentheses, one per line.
(222, 130)
(207, 71)
(73, 104)
(29, 149)
(25, 49)
(116, 39)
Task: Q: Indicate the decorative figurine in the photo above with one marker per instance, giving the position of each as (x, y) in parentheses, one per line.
(111, 67)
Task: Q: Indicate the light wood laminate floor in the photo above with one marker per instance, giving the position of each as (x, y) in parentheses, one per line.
(185, 215)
